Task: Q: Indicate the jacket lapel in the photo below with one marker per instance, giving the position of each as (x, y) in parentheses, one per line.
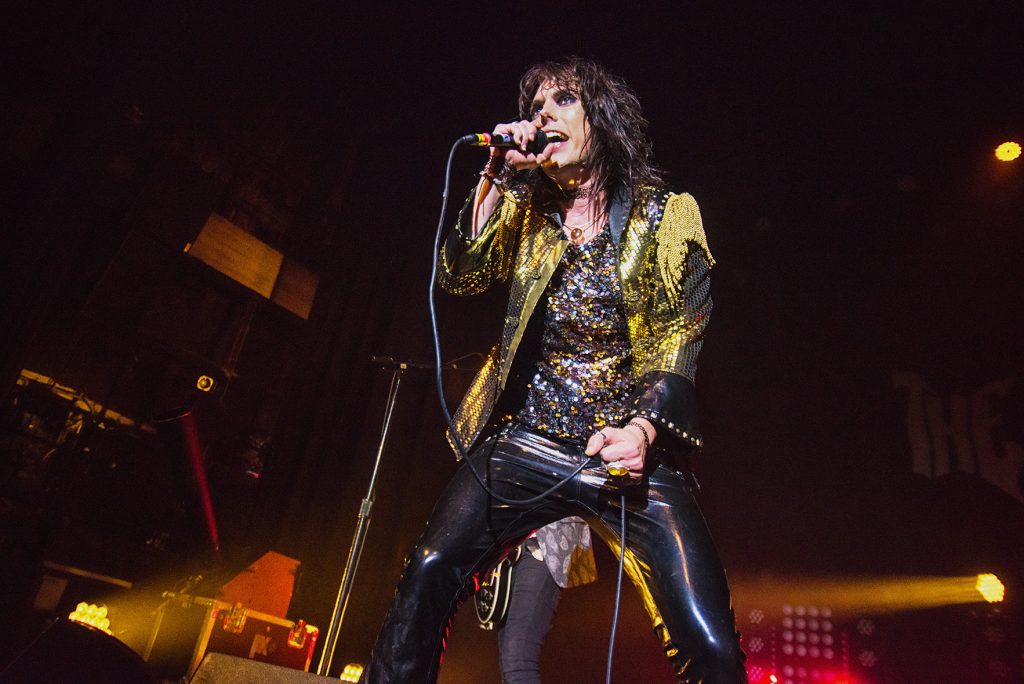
(618, 213)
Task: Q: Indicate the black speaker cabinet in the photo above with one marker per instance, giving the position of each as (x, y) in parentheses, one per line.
(68, 652)
(218, 668)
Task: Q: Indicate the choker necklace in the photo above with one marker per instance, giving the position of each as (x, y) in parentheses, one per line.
(578, 192)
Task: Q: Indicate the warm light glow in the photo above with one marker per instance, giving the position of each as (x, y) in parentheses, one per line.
(865, 595)
(92, 615)
(352, 672)
(1008, 151)
(773, 679)
(990, 588)
(204, 383)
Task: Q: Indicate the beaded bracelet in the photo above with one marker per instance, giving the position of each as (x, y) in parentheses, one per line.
(498, 170)
(647, 437)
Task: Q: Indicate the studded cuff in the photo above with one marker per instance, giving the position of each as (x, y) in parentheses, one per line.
(668, 400)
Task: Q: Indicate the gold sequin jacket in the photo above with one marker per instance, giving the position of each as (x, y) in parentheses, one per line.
(663, 266)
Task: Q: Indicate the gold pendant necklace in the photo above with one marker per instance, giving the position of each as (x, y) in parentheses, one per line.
(578, 234)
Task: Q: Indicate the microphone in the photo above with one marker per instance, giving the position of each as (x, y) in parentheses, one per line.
(535, 146)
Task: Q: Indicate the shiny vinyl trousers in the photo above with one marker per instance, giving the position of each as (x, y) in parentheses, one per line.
(669, 555)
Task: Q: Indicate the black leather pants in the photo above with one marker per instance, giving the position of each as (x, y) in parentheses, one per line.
(669, 556)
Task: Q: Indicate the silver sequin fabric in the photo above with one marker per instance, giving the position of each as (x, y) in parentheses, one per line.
(583, 377)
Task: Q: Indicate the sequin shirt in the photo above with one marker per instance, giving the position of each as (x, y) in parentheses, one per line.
(583, 377)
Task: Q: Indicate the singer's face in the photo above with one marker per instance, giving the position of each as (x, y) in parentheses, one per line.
(557, 109)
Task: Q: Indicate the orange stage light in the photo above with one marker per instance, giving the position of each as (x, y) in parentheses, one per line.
(990, 588)
(1008, 151)
(859, 595)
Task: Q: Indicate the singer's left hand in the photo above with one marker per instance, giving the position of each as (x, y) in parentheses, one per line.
(623, 445)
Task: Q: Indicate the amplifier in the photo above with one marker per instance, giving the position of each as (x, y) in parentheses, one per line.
(187, 627)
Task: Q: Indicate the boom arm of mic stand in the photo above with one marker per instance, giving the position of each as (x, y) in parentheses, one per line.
(359, 537)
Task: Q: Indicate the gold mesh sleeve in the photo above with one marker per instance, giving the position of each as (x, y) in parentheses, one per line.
(672, 305)
(680, 228)
(678, 333)
(671, 323)
(470, 266)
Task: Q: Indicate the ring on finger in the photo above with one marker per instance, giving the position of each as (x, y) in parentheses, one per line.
(616, 469)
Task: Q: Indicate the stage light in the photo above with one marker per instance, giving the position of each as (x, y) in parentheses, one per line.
(204, 383)
(352, 672)
(990, 588)
(1008, 151)
(92, 615)
(797, 596)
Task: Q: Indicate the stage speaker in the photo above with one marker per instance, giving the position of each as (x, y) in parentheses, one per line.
(70, 652)
(218, 668)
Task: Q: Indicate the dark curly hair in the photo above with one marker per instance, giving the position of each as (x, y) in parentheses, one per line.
(620, 149)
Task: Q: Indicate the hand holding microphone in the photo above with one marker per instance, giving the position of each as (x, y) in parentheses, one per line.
(623, 450)
(515, 147)
(522, 143)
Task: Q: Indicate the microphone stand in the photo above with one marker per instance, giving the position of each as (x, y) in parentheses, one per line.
(355, 550)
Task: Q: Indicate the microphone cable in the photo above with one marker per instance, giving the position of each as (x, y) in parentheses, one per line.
(618, 588)
(437, 360)
(458, 441)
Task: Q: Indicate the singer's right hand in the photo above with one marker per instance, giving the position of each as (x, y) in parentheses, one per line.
(488, 194)
(522, 132)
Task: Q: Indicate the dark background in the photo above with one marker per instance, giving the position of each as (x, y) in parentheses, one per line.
(843, 162)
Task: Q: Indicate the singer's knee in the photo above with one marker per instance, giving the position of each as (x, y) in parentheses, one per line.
(721, 661)
(429, 565)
